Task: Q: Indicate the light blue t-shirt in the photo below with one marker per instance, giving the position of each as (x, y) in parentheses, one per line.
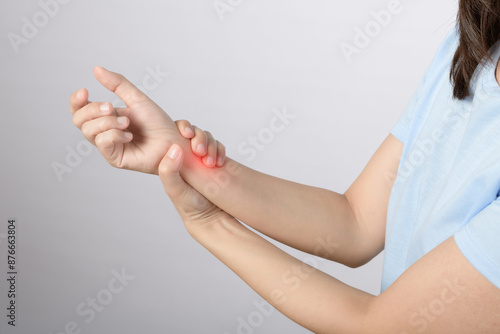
(448, 180)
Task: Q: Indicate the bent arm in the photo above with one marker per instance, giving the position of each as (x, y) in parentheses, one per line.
(304, 294)
(440, 293)
(348, 228)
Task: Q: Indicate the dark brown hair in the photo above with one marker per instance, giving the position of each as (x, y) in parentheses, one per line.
(479, 29)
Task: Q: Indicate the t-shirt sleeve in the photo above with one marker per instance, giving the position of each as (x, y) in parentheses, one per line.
(402, 126)
(479, 242)
(433, 72)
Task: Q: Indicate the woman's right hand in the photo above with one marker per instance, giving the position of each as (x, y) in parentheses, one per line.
(203, 144)
(136, 137)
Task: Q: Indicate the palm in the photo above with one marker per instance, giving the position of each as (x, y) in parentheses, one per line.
(195, 209)
(152, 129)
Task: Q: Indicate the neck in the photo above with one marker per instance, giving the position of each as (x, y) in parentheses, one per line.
(498, 72)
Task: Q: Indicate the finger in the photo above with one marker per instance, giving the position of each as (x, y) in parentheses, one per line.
(199, 142)
(188, 202)
(78, 100)
(209, 159)
(119, 85)
(92, 128)
(107, 141)
(168, 170)
(185, 128)
(221, 154)
(92, 111)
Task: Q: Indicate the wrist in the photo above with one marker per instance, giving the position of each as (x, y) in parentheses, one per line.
(212, 233)
(186, 149)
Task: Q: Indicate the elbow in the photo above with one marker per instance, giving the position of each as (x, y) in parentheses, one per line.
(355, 265)
(359, 252)
(357, 262)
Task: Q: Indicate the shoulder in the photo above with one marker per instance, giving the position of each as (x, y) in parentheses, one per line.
(444, 55)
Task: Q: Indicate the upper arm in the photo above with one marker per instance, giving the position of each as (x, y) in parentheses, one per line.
(369, 195)
(440, 293)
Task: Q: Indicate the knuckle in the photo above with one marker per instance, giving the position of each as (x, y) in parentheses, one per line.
(102, 139)
(202, 135)
(98, 139)
(163, 170)
(85, 130)
(103, 124)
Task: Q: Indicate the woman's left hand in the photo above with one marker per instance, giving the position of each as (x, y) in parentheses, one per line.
(195, 209)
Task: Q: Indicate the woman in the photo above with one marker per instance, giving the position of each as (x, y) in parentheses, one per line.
(437, 214)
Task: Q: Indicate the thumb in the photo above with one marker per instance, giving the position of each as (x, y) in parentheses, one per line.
(168, 171)
(119, 85)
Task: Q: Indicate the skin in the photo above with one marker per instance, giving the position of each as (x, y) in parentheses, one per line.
(498, 72)
(440, 293)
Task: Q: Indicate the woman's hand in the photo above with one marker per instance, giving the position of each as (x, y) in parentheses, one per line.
(203, 144)
(135, 137)
(195, 210)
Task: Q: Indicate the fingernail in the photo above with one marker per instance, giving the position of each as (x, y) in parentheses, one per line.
(189, 131)
(122, 120)
(210, 161)
(200, 148)
(128, 135)
(173, 152)
(220, 162)
(104, 108)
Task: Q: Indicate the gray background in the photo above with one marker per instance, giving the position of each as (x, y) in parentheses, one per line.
(226, 75)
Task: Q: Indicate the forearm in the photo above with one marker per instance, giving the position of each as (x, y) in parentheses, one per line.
(311, 219)
(302, 293)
